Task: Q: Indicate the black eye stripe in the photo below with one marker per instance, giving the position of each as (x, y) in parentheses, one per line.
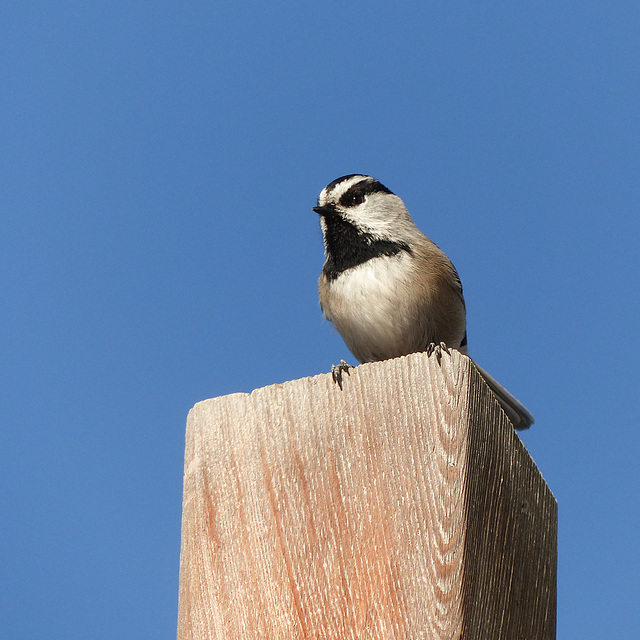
(358, 192)
(352, 200)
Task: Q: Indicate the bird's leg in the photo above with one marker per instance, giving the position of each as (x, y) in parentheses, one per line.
(337, 370)
(437, 349)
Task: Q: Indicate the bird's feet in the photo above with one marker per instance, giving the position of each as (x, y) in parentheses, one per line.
(437, 349)
(337, 370)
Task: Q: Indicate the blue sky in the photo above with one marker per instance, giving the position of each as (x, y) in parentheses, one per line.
(158, 247)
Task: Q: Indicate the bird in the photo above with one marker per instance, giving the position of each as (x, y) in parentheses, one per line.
(387, 288)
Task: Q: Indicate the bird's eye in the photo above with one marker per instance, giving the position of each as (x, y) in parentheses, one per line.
(352, 199)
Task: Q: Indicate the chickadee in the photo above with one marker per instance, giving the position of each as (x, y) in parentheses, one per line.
(386, 287)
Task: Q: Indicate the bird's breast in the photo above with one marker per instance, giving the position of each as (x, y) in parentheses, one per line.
(372, 307)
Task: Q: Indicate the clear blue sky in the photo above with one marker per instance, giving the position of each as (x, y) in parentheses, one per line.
(159, 165)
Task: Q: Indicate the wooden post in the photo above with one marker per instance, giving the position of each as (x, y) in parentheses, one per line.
(403, 507)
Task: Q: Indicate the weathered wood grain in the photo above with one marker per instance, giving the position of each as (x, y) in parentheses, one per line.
(401, 507)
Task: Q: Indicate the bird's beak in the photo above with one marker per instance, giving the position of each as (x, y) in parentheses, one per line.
(325, 211)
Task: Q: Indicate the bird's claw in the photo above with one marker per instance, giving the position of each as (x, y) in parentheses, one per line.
(437, 349)
(337, 370)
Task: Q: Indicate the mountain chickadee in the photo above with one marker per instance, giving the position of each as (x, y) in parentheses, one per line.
(386, 287)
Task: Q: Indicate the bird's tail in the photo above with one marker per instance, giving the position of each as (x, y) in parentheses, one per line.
(515, 410)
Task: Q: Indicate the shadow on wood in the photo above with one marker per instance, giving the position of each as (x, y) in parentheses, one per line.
(402, 507)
